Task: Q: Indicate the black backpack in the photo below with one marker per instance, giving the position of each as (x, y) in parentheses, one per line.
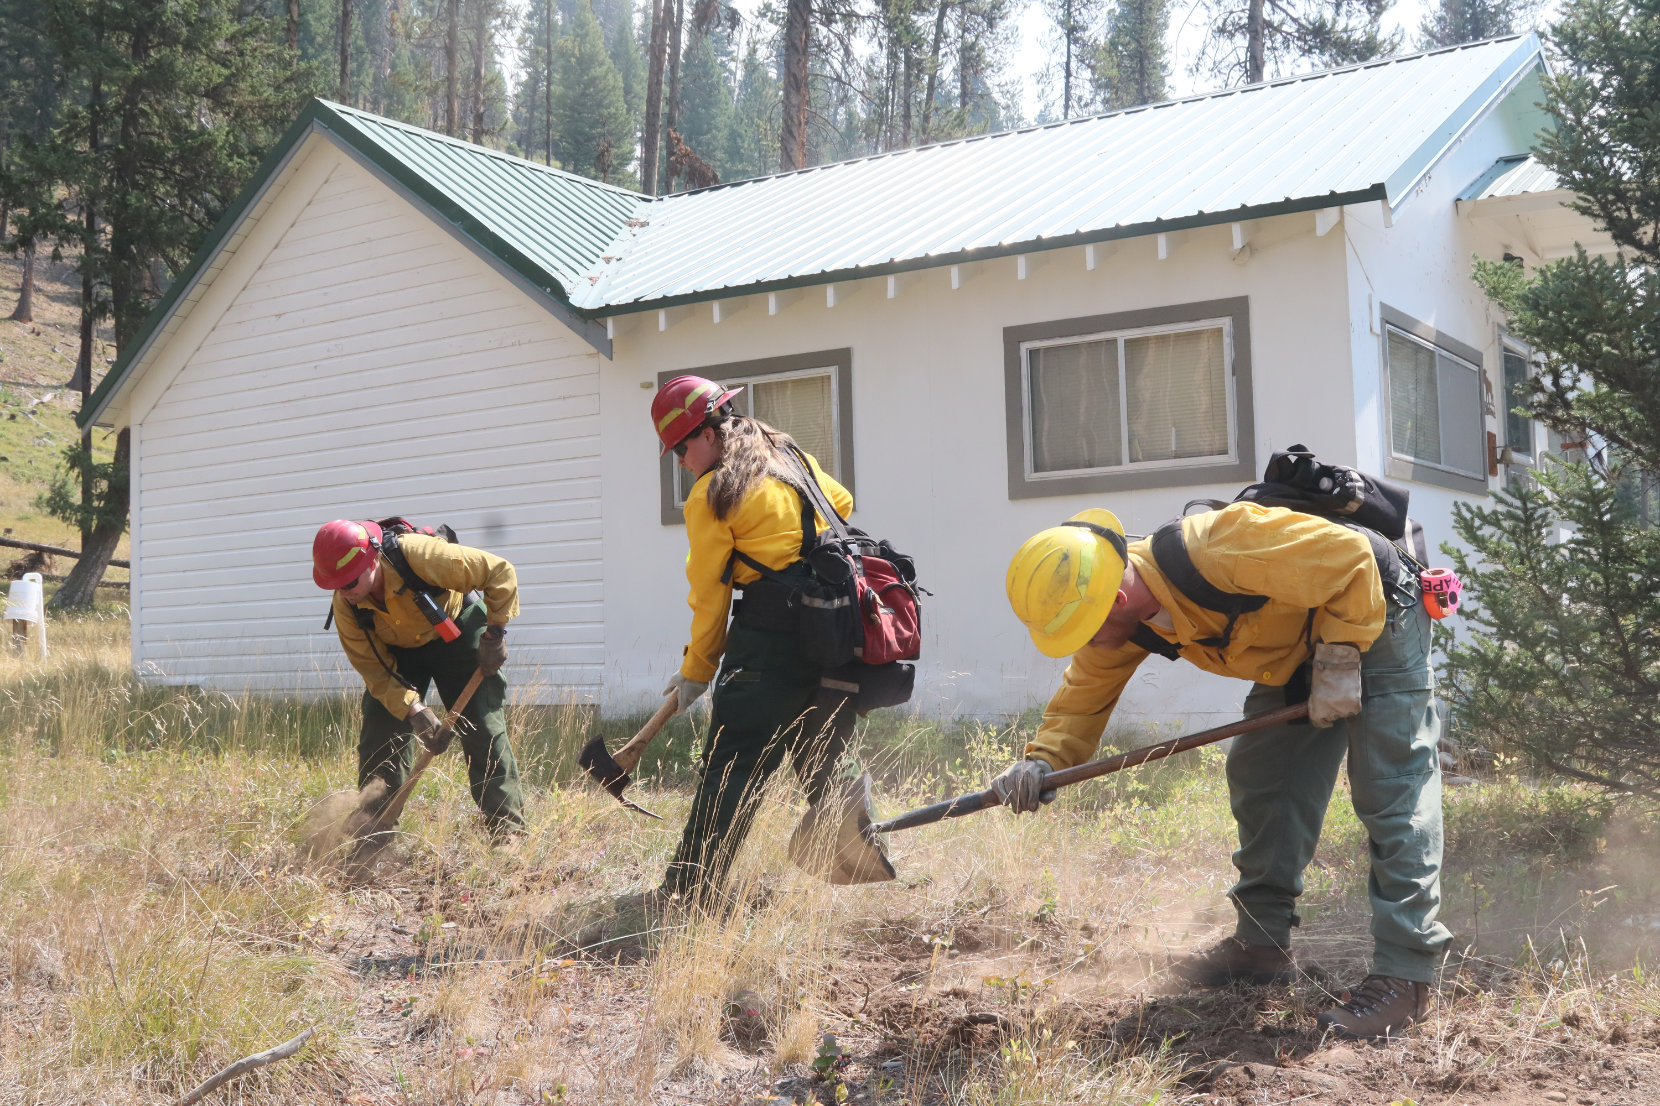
(1296, 480)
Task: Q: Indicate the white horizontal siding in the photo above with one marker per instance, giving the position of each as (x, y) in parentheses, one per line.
(371, 365)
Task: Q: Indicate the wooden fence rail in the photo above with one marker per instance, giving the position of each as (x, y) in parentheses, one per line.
(14, 543)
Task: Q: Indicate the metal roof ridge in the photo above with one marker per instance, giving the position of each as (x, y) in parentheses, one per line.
(1198, 97)
(473, 147)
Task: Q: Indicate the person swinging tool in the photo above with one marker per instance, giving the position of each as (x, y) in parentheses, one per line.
(406, 620)
(770, 699)
(1304, 608)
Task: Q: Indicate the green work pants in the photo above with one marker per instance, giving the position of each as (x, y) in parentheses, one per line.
(385, 747)
(1280, 781)
(768, 702)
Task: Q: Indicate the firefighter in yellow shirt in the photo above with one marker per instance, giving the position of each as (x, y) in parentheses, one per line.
(1303, 608)
(769, 699)
(405, 632)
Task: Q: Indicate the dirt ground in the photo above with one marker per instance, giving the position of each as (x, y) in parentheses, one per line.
(921, 1001)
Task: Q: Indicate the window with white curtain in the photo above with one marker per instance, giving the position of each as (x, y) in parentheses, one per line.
(1434, 406)
(808, 396)
(1135, 399)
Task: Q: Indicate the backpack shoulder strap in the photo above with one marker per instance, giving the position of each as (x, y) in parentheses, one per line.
(1150, 641)
(815, 494)
(1171, 555)
(394, 555)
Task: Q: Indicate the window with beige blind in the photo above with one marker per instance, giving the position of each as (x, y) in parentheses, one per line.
(1140, 399)
(808, 396)
(1437, 433)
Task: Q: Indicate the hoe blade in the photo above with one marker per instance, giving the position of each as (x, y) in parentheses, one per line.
(834, 841)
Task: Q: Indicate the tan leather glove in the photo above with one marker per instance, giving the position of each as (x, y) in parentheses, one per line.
(1020, 786)
(492, 650)
(1334, 692)
(427, 730)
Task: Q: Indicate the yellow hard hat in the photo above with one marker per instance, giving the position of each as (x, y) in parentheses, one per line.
(1063, 581)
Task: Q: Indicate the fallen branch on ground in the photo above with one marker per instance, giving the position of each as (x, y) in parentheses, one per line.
(248, 1064)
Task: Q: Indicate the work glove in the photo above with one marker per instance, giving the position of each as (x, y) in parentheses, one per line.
(686, 691)
(492, 650)
(1020, 787)
(1334, 692)
(429, 731)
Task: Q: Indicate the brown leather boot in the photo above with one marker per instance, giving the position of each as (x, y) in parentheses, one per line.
(1382, 1006)
(1231, 960)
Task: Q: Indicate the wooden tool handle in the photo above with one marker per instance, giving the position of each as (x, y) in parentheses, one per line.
(628, 757)
(981, 800)
(393, 810)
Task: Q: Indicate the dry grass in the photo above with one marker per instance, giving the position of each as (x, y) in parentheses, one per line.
(157, 925)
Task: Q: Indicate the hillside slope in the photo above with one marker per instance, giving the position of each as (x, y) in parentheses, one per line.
(37, 413)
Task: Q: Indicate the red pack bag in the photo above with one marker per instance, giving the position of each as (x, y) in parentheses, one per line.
(862, 602)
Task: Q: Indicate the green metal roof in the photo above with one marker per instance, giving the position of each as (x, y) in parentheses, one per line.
(1511, 176)
(1366, 132)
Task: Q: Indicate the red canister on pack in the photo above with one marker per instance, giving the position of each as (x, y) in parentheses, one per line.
(1441, 590)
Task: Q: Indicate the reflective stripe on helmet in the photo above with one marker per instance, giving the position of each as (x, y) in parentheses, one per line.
(1086, 567)
(692, 397)
(350, 553)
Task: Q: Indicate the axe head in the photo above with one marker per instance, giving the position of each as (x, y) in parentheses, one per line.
(597, 761)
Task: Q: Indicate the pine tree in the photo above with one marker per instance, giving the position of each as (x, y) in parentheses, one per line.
(182, 99)
(532, 114)
(1076, 41)
(706, 100)
(591, 118)
(753, 139)
(1253, 40)
(1561, 662)
(1133, 63)
(1452, 22)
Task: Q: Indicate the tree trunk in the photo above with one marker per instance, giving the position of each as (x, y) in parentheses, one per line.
(345, 51)
(651, 136)
(934, 71)
(294, 31)
(80, 588)
(390, 11)
(548, 83)
(452, 55)
(965, 72)
(1256, 43)
(792, 136)
(481, 47)
(909, 93)
(24, 312)
(672, 122)
(1066, 75)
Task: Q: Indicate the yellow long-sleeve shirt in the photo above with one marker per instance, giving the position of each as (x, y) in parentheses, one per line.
(1304, 565)
(456, 568)
(766, 525)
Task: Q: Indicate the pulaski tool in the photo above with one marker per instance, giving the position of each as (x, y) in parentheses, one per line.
(858, 832)
(612, 772)
(393, 810)
(359, 816)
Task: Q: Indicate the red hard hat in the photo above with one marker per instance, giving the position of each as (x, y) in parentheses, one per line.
(342, 551)
(681, 405)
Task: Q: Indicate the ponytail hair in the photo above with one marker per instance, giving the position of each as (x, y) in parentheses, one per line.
(750, 451)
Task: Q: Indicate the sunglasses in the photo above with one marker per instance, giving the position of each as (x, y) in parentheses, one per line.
(681, 447)
(350, 586)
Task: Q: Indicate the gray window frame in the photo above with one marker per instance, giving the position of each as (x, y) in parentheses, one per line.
(1511, 344)
(1424, 472)
(839, 360)
(1234, 311)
